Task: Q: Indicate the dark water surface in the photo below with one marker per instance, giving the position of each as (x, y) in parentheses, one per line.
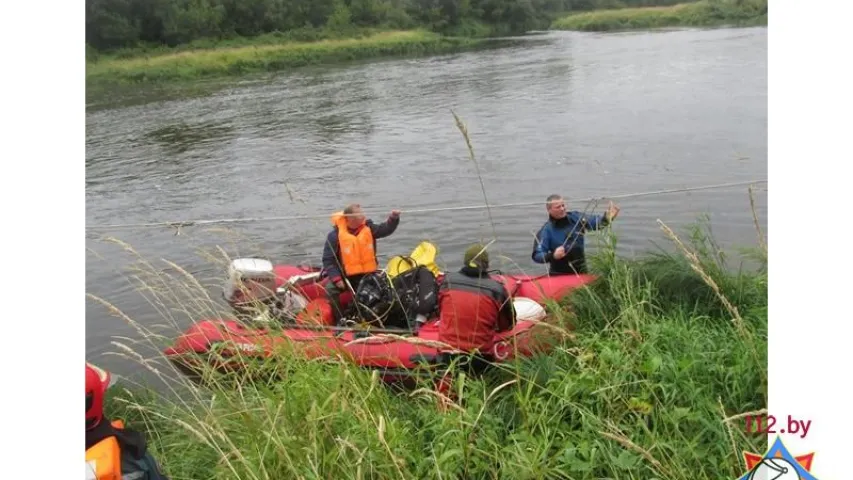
(584, 115)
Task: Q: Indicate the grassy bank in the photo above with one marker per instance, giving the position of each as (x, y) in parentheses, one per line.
(665, 350)
(119, 72)
(704, 13)
(266, 53)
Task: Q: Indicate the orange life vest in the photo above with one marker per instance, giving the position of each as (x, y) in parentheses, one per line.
(357, 253)
(103, 459)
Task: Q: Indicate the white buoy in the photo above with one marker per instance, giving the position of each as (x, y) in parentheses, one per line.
(528, 309)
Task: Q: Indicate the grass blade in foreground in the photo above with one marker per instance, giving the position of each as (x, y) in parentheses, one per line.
(642, 392)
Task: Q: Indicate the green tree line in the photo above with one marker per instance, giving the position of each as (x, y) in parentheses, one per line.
(114, 24)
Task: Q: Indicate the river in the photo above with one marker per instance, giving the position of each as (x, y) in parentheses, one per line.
(580, 114)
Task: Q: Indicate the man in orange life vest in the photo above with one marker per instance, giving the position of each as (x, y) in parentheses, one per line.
(350, 251)
(473, 306)
(112, 451)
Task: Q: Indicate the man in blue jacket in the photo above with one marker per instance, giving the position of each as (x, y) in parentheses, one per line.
(560, 241)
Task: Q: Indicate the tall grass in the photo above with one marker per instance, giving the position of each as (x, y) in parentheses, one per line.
(665, 354)
(695, 14)
(656, 365)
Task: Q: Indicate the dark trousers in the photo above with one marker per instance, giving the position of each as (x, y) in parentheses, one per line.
(572, 264)
(469, 363)
(333, 293)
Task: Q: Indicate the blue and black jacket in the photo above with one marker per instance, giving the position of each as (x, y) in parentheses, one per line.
(567, 232)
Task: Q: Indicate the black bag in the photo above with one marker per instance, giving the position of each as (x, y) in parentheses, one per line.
(374, 298)
(417, 293)
(396, 303)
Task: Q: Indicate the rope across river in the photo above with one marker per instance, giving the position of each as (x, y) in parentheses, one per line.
(216, 221)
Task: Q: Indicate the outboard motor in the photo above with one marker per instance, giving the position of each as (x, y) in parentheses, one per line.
(251, 291)
(250, 285)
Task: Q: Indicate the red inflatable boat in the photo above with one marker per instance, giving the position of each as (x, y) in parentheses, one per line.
(300, 293)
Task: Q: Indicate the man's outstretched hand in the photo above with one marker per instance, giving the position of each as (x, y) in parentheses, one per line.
(612, 211)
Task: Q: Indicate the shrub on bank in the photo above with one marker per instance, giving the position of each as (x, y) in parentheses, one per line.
(695, 14)
(221, 62)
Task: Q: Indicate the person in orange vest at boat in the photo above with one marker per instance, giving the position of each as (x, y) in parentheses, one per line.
(560, 241)
(112, 451)
(350, 251)
(473, 306)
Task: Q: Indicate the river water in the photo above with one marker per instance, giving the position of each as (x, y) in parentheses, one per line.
(583, 115)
